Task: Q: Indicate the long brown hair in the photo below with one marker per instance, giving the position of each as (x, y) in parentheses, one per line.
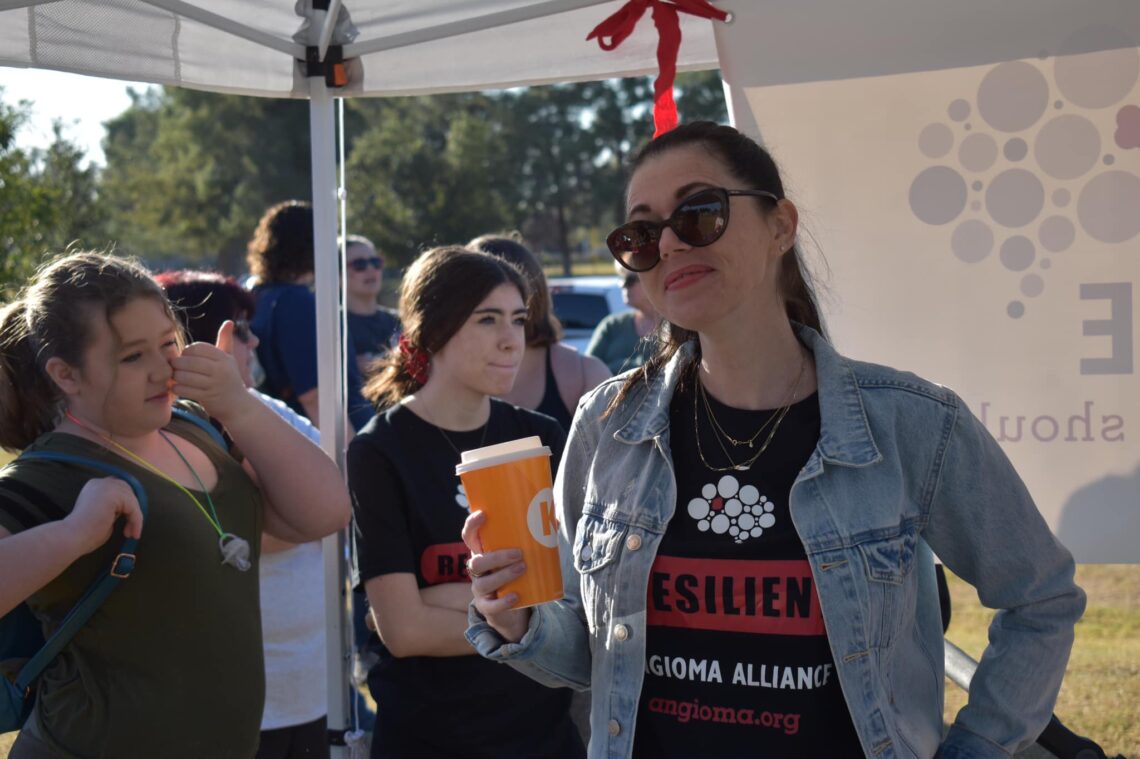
(440, 290)
(542, 326)
(53, 317)
(754, 167)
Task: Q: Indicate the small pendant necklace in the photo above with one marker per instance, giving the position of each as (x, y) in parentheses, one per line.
(482, 438)
(234, 550)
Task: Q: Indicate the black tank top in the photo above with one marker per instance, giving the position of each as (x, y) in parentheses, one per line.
(552, 404)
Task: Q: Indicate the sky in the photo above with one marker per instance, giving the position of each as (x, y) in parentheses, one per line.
(83, 103)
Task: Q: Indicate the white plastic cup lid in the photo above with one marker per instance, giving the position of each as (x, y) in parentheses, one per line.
(501, 453)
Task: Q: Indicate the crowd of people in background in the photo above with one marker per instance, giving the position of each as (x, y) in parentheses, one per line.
(728, 405)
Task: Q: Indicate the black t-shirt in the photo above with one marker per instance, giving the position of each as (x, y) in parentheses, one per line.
(410, 509)
(736, 651)
(372, 335)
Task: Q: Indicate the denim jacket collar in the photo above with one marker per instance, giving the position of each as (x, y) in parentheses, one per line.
(845, 435)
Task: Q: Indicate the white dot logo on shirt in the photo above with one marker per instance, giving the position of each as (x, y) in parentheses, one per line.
(727, 508)
(540, 518)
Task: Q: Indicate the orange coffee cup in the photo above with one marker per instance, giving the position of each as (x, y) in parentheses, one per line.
(510, 483)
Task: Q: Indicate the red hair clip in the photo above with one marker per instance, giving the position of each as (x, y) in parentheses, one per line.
(414, 360)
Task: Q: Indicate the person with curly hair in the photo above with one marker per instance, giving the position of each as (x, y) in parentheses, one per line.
(280, 256)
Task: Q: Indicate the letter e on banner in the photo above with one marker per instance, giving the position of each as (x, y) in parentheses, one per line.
(541, 520)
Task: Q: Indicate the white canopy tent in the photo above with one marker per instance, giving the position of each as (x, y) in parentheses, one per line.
(258, 48)
(401, 47)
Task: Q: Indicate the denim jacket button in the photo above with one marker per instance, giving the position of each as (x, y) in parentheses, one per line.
(614, 727)
(621, 632)
(633, 542)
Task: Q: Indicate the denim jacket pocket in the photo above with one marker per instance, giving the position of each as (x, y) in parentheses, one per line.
(888, 563)
(597, 545)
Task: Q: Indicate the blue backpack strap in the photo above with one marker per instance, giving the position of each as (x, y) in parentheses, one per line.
(119, 570)
(202, 424)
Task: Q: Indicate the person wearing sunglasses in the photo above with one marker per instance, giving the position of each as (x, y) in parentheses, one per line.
(747, 520)
(624, 341)
(294, 721)
(372, 329)
(280, 257)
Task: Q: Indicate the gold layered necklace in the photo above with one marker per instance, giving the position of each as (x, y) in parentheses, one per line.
(772, 423)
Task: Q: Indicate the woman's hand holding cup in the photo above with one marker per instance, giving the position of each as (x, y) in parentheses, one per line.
(489, 572)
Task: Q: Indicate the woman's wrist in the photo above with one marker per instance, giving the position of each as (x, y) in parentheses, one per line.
(514, 630)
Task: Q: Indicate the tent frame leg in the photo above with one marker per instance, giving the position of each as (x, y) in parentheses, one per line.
(327, 265)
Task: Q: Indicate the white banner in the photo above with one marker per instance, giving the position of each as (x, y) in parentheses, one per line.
(981, 224)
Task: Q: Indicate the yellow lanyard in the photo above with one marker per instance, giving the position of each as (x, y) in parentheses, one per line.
(235, 550)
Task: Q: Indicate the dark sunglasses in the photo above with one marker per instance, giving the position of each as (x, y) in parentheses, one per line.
(362, 264)
(242, 331)
(698, 220)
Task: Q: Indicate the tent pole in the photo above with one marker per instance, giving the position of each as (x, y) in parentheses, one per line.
(330, 380)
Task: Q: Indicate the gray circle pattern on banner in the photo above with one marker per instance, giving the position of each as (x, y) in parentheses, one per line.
(1107, 207)
(1004, 175)
(1017, 253)
(1098, 79)
(935, 140)
(972, 241)
(959, 110)
(977, 152)
(1015, 149)
(1056, 234)
(938, 195)
(1127, 127)
(1013, 96)
(1032, 285)
(1015, 197)
(1067, 147)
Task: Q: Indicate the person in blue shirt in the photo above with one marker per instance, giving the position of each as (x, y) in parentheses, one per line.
(626, 340)
(280, 257)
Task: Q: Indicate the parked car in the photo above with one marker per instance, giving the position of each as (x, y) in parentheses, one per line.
(581, 302)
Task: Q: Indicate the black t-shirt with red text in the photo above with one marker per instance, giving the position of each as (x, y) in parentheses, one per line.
(737, 656)
(409, 510)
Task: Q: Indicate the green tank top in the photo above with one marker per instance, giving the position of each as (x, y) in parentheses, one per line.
(171, 665)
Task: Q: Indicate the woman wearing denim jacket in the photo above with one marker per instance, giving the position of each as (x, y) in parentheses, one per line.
(747, 521)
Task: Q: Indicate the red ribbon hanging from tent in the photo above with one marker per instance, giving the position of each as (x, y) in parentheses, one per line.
(613, 31)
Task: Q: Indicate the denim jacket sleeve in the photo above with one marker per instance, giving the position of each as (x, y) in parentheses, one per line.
(984, 526)
(555, 650)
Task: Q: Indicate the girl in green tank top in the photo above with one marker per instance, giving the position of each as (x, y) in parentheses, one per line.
(92, 363)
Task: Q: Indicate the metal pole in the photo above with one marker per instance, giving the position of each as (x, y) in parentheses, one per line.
(330, 380)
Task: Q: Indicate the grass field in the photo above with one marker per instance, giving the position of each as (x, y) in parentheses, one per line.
(1101, 695)
(1100, 698)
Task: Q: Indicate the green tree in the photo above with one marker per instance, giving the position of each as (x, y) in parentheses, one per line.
(428, 171)
(555, 157)
(189, 173)
(49, 199)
